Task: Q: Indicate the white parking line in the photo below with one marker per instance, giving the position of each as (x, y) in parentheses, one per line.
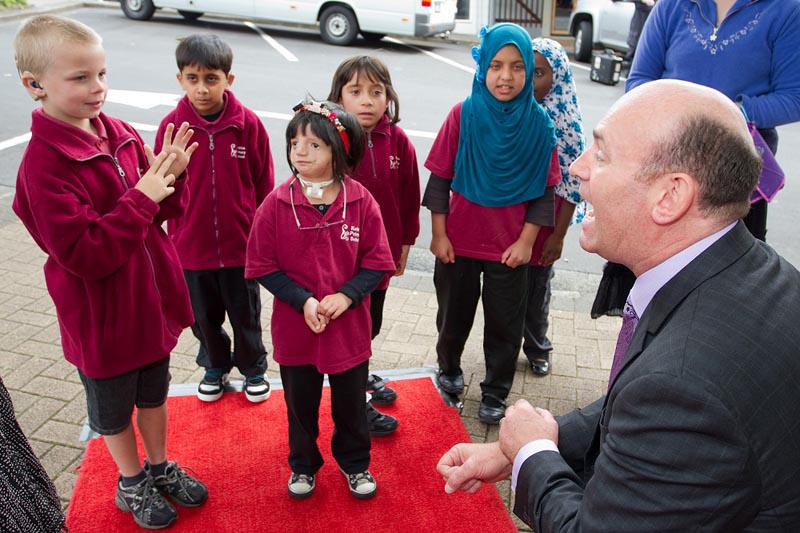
(273, 43)
(15, 141)
(437, 57)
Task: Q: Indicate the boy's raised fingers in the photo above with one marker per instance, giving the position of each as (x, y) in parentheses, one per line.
(167, 142)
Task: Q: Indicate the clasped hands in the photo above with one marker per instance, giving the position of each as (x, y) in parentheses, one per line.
(467, 466)
(318, 313)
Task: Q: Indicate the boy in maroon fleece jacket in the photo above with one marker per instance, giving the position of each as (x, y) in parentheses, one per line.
(93, 197)
(232, 173)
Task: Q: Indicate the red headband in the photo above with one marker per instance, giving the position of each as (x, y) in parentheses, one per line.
(322, 109)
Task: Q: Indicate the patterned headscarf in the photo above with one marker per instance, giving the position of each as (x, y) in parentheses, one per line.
(561, 104)
(504, 148)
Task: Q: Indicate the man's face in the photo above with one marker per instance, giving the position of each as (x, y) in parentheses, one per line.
(619, 202)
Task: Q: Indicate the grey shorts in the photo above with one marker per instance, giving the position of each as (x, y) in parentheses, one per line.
(110, 401)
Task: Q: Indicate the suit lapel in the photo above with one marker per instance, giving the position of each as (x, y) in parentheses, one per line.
(711, 262)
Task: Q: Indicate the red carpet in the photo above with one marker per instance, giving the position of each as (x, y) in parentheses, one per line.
(239, 451)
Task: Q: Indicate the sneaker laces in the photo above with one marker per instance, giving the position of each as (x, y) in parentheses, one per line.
(147, 497)
(177, 477)
(359, 479)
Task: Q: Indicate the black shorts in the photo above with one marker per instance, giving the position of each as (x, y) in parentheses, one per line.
(110, 401)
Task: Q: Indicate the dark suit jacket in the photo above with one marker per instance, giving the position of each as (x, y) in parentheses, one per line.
(700, 430)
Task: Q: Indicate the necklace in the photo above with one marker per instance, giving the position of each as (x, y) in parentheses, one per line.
(313, 189)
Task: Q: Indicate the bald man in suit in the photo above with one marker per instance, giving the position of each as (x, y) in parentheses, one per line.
(699, 429)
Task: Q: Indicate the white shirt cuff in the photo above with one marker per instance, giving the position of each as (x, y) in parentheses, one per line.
(530, 449)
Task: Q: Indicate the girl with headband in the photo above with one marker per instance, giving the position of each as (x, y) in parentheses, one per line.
(318, 245)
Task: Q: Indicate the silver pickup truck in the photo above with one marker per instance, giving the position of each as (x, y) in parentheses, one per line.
(600, 24)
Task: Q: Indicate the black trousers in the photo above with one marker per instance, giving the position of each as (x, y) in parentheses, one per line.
(302, 387)
(535, 343)
(215, 293)
(504, 295)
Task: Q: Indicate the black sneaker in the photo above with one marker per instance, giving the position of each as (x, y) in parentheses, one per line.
(301, 486)
(380, 424)
(362, 485)
(381, 394)
(182, 488)
(149, 508)
(213, 385)
(256, 388)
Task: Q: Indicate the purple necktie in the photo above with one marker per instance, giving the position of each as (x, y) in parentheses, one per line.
(629, 322)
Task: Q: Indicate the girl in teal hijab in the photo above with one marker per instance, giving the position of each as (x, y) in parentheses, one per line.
(504, 147)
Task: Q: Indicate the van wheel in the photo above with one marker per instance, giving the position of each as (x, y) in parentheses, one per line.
(138, 9)
(372, 37)
(583, 41)
(190, 15)
(338, 25)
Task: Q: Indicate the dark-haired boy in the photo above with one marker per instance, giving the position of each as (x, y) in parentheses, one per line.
(232, 173)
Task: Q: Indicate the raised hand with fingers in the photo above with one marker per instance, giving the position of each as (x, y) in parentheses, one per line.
(156, 184)
(178, 145)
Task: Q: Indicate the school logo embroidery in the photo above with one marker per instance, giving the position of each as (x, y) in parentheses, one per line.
(394, 162)
(350, 233)
(239, 152)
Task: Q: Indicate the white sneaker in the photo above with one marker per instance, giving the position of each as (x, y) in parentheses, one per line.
(301, 486)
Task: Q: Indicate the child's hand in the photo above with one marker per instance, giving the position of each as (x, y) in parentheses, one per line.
(155, 184)
(333, 305)
(314, 320)
(551, 250)
(517, 254)
(442, 248)
(176, 145)
(401, 264)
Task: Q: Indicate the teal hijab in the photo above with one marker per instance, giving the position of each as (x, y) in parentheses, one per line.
(504, 148)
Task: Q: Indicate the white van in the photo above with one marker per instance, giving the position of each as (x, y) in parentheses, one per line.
(340, 21)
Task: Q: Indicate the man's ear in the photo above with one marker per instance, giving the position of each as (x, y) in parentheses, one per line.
(675, 193)
(231, 77)
(32, 86)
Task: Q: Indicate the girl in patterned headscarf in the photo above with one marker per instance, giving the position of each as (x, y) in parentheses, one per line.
(554, 89)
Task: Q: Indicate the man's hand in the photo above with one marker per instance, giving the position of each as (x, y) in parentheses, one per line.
(156, 184)
(523, 424)
(176, 145)
(314, 320)
(467, 466)
(333, 305)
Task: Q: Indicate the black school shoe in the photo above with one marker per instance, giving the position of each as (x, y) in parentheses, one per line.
(381, 394)
(450, 384)
(380, 424)
(149, 508)
(182, 488)
(492, 409)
